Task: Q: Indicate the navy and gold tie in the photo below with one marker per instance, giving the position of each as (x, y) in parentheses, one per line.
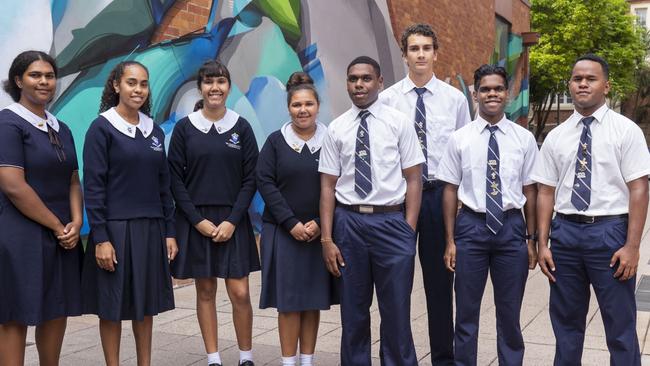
(421, 128)
(581, 195)
(362, 171)
(493, 194)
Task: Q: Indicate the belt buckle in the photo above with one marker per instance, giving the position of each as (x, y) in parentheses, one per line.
(365, 209)
(590, 220)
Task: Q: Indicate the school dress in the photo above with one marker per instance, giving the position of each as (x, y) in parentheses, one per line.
(129, 203)
(212, 168)
(39, 279)
(294, 276)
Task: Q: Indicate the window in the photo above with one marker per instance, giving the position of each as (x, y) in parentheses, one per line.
(641, 16)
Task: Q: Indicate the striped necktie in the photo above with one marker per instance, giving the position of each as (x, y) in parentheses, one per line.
(581, 195)
(493, 194)
(362, 171)
(421, 128)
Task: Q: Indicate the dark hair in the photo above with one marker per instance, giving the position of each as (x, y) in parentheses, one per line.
(421, 29)
(300, 81)
(18, 67)
(594, 58)
(485, 70)
(367, 61)
(210, 69)
(110, 98)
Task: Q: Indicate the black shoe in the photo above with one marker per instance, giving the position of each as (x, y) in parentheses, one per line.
(214, 364)
(247, 363)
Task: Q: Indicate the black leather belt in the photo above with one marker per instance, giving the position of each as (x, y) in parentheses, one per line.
(582, 219)
(431, 184)
(370, 209)
(482, 214)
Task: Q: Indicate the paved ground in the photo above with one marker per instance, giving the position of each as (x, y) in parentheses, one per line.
(177, 339)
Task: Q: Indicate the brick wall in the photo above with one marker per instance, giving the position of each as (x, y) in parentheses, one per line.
(184, 17)
(465, 30)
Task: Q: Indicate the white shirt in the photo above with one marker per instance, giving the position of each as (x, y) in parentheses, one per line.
(34, 119)
(204, 125)
(393, 147)
(619, 154)
(465, 162)
(296, 143)
(145, 124)
(446, 111)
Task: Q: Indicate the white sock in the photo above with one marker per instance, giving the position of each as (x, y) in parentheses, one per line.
(245, 355)
(289, 361)
(214, 358)
(306, 360)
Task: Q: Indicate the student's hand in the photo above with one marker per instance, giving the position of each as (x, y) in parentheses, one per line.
(545, 260)
(332, 257)
(70, 236)
(299, 233)
(172, 248)
(532, 254)
(450, 256)
(224, 232)
(628, 261)
(206, 228)
(105, 256)
(312, 229)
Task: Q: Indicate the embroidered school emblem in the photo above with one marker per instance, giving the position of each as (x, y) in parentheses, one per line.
(156, 145)
(234, 138)
(233, 142)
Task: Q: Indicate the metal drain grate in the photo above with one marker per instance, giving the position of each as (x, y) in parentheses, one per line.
(643, 294)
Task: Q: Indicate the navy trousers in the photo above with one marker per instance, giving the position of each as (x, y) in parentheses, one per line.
(582, 253)
(505, 256)
(379, 250)
(438, 281)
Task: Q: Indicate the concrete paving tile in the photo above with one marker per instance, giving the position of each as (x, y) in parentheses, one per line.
(167, 358)
(187, 326)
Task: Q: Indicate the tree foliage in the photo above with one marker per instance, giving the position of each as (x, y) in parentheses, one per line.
(571, 28)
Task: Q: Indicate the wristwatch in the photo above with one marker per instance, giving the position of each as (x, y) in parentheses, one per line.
(531, 237)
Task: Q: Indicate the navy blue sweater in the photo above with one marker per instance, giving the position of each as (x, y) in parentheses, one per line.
(125, 178)
(289, 182)
(212, 169)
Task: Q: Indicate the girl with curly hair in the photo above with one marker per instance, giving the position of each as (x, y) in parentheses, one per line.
(126, 273)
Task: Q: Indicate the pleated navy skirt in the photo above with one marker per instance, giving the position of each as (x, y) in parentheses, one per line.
(200, 257)
(294, 276)
(39, 280)
(141, 284)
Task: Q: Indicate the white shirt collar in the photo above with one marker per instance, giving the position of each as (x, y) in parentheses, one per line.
(296, 143)
(145, 125)
(408, 84)
(33, 119)
(599, 115)
(204, 125)
(503, 125)
(374, 110)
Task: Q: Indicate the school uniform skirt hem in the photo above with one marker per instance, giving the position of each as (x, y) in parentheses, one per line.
(294, 276)
(141, 284)
(200, 257)
(39, 279)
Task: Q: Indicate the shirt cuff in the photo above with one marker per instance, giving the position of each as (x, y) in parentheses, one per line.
(290, 223)
(99, 234)
(329, 171)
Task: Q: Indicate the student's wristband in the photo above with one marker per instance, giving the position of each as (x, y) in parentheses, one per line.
(326, 240)
(531, 237)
